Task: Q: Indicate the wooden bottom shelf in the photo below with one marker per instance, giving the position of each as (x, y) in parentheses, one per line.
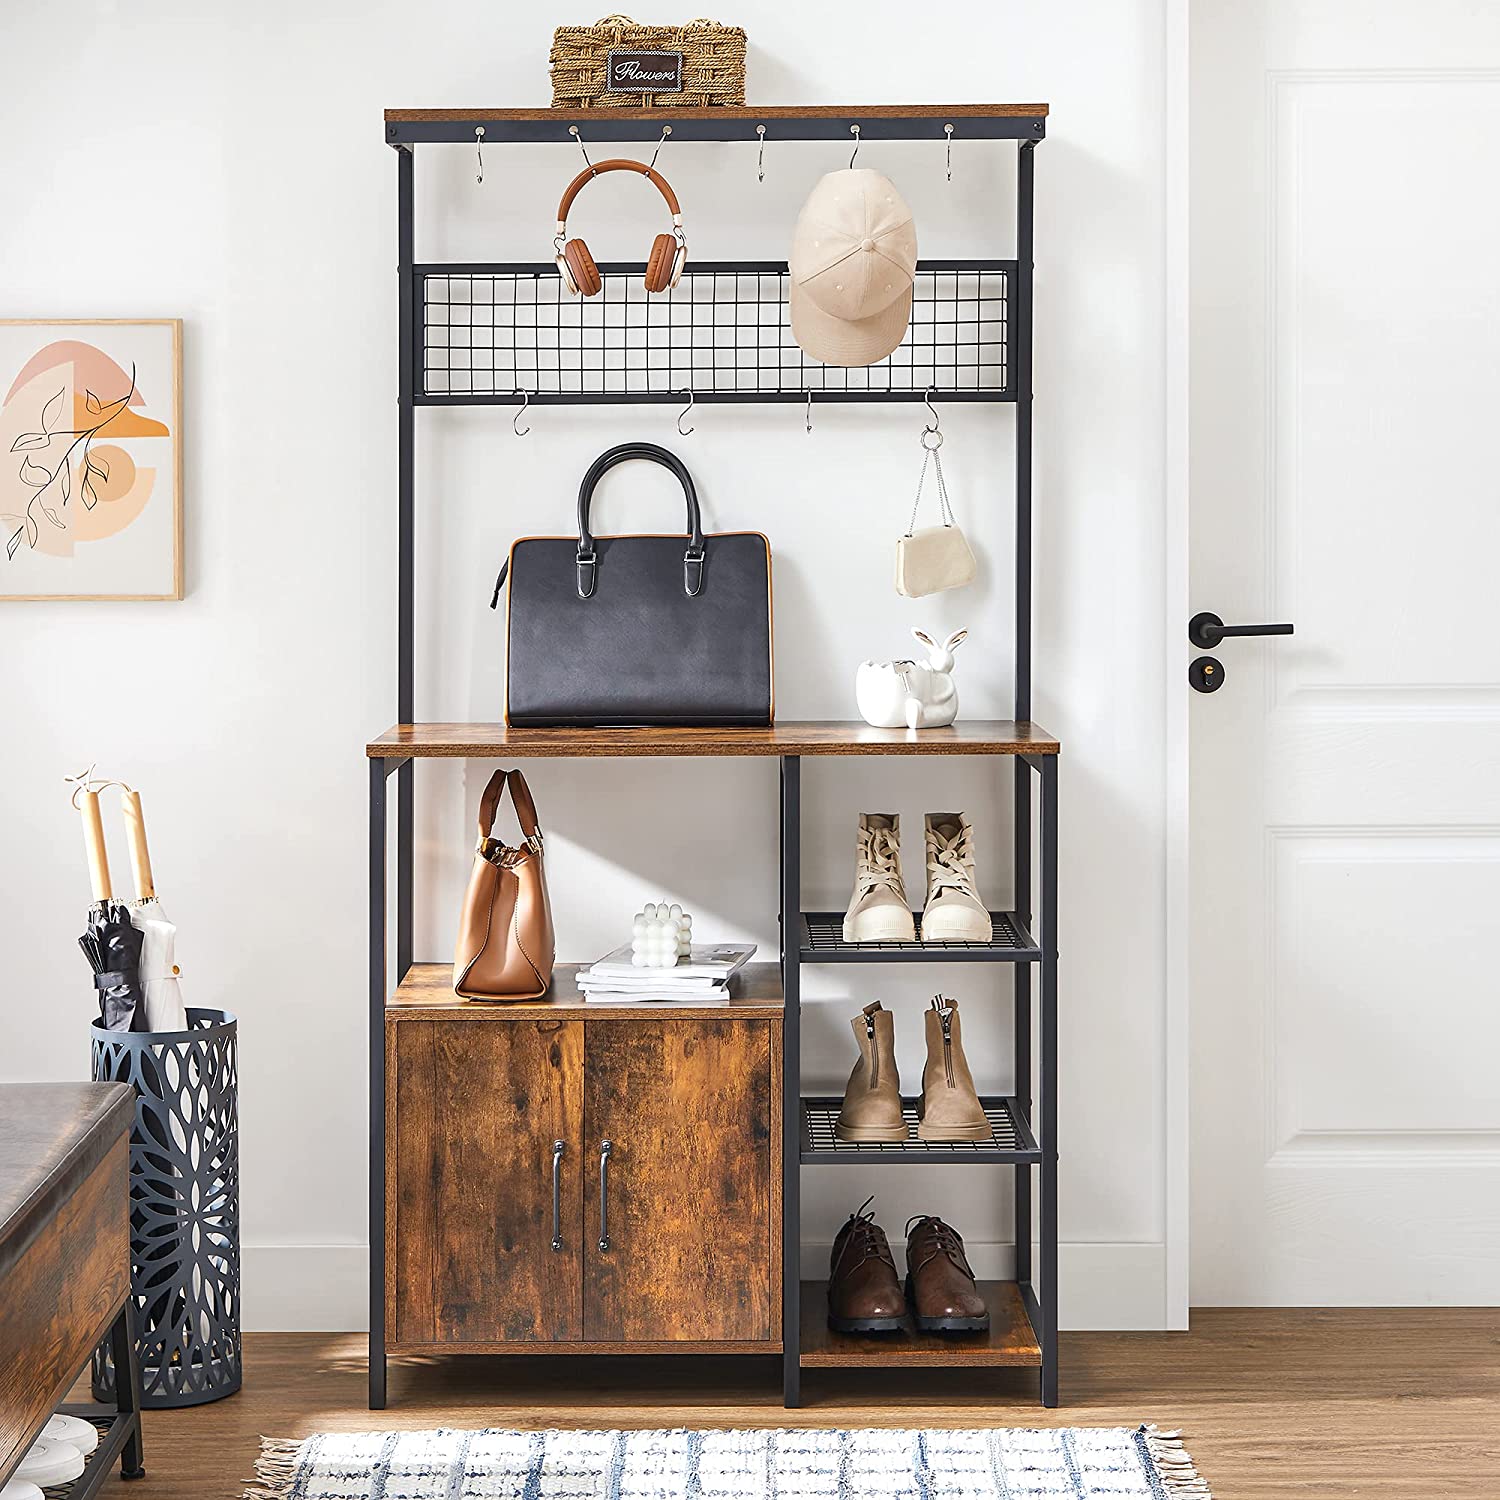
(1009, 1340)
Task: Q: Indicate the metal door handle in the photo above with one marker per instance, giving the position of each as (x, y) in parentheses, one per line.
(605, 1147)
(1206, 630)
(557, 1156)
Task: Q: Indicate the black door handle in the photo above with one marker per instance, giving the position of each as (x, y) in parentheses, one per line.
(1206, 630)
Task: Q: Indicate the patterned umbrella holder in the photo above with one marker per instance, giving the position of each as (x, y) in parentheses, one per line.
(184, 1207)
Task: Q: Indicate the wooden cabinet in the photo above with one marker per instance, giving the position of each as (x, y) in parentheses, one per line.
(686, 1108)
(511, 1226)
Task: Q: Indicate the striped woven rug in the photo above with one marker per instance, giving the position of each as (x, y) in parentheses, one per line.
(1060, 1463)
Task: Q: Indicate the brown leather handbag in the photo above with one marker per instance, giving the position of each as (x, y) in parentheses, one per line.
(505, 942)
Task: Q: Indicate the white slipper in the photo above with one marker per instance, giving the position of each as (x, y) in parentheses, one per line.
(73, 1431)
(50, 1463)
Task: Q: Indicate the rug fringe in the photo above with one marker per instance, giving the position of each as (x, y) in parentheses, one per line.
(1173, 1466)
(275, 1469)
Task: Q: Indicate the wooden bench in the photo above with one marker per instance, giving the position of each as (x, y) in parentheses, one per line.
(65, 1266)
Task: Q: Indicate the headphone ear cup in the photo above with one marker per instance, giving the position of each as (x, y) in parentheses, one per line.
(659, 265)
(581, 264)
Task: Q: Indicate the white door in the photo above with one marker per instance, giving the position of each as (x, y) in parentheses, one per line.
(1345, 781)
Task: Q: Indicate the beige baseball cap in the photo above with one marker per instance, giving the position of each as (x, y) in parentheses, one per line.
(854, 253)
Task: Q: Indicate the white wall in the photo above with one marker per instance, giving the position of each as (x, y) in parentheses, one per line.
(224, 163)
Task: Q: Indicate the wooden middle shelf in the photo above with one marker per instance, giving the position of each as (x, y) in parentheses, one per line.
(1009, 1339)
(427, 994)
(790, 737)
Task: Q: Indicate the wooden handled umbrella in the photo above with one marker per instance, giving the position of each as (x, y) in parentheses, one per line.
(163, 994)
(111, 941)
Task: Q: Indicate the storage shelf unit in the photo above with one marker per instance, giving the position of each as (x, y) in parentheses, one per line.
(1009, 1340)
(823, 943)
(643, 356)
(1010, 1140)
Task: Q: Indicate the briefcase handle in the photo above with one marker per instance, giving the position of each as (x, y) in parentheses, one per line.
(588, 562)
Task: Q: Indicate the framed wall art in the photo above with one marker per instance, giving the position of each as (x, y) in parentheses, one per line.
(91, 459)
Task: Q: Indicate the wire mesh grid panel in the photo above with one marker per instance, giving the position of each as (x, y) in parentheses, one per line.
(725, 330)
(820, 1116)
(823, 941)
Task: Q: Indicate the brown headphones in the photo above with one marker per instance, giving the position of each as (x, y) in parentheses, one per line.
(668, 251)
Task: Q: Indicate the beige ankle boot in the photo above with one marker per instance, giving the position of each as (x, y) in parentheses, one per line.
(872, 1100)
(954, 913)
(950, 1109)
(878, 912)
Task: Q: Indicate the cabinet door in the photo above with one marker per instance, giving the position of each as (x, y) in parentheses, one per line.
(693, 1193)
(479, 1105)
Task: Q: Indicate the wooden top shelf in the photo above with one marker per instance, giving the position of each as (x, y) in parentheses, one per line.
(791, 737)
(427, 994)
(785, 122)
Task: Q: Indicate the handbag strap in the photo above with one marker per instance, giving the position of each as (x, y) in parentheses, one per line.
(588, 561)
(520, 796)
(945, 509)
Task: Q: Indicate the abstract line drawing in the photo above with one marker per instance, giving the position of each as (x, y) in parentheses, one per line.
(90, 434)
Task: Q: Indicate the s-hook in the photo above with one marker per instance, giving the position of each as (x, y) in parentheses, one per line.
(932, 428)
(948, 131)
(573, 131)
(666, 130)
(854, 131)
(692, 401)
(808, 415)
(515, 420)
(760, 160)
(479, 152)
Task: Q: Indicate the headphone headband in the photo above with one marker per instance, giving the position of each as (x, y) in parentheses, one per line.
(617, 164)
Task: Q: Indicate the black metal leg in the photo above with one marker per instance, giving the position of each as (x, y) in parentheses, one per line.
(377, 999)
(405, 834)
(1048, 1249)
(791, 1080)
(128, 1388)
(1021, 980)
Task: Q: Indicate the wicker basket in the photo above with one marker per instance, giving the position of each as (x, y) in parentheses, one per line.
(713, 63)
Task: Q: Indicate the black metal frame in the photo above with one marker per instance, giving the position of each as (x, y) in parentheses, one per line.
(121, 1424)
(1034, 890)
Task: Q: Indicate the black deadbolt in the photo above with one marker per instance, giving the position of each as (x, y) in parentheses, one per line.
(1207, 674)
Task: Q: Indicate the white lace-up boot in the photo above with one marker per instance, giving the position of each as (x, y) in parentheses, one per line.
(954, 912)
(878, 911)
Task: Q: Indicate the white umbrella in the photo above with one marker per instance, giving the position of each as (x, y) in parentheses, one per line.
(164, 1007)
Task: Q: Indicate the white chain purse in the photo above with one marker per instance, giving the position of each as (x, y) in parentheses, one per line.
(936, 557)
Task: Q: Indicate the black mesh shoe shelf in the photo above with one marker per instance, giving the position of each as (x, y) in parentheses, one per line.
(500, 334)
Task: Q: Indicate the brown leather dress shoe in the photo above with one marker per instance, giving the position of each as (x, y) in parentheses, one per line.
(939, 1283)
(864, 1293)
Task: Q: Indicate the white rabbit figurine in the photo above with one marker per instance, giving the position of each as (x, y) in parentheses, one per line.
(907, 694)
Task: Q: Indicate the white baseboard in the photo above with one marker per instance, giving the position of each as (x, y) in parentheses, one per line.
(321, 1288)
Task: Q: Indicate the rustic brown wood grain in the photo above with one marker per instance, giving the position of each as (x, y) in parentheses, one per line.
(60, 1298)
(1274, 1404)
(732, 111)
(813, 737)
(473, 1156)
(1009, 1340)
(427, 994)
(687, 1105)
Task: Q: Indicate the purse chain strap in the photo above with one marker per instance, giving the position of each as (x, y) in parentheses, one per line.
(931, 455)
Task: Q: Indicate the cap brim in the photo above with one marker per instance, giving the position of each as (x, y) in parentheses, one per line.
(844, 341)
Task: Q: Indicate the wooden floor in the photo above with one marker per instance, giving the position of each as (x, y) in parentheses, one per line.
(1349, 1403)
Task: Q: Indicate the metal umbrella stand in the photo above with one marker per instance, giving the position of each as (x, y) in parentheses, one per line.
(184, 1207)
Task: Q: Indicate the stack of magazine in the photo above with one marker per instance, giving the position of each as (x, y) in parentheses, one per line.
(701, 978)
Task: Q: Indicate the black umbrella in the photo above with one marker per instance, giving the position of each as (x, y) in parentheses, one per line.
(111, 942)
